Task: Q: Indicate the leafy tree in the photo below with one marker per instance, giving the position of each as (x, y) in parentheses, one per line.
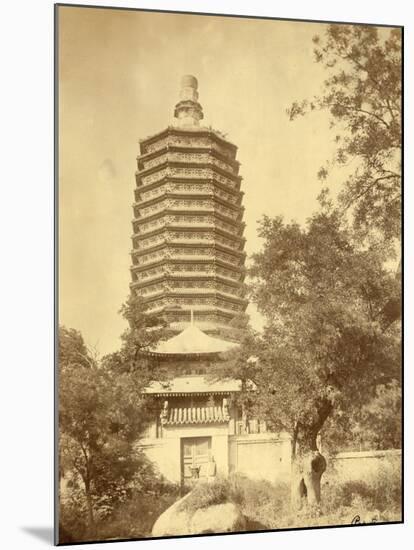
(326, 345)
(101, 415)
(103, 411)
(236, 329)
(145, 328)
(144, 331)
(362, 93)
(332, 308)
(381, 417)
(375, 424)
(72, 349)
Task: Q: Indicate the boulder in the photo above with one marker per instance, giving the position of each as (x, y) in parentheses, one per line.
(218, 518)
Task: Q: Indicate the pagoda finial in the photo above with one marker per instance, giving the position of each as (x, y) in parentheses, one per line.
(188, 111)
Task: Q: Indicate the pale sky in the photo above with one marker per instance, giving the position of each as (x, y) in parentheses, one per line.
(119, 76)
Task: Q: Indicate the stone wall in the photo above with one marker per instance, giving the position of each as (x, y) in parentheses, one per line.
(165, 452)
(264, 456)
(362, 465)
(260, 456)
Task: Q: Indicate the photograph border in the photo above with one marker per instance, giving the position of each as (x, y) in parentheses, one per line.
(56, 7)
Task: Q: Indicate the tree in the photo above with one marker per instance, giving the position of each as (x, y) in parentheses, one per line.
(236, 329)
(101, 414)
(363, 96)
(144, 331)
(325, 346)
(72, 349)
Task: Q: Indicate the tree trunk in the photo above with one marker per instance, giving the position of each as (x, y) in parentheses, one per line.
(91, 519)
(89, 505)
(308, 466)
(314, 465)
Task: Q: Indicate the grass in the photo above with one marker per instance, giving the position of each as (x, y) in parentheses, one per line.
(265, 505)
(207, 494)
(132, 519)
(375, 499)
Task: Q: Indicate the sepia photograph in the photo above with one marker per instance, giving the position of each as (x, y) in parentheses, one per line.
(228, 274)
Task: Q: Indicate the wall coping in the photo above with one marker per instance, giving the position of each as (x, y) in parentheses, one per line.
(367, 454)
(252, 438)
(150, 442)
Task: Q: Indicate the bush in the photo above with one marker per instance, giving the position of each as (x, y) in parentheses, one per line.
(266, 505)
(136, 517)
(262, 501)
(132, 519)
(207, 494)
(381, 491)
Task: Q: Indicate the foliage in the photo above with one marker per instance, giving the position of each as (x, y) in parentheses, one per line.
(332, 338)
(262, 502)
(362, 93)
(72, 349)
(144, 327)
(133, 518)
(144, 331)
(375, 425)
(381, 418)
(101, 415)
(206, 494)
(237, 328)
(380, 490)
(266, 505)
(326, 344)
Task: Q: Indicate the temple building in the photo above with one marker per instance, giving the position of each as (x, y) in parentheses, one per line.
(188, 263)
(199, 429)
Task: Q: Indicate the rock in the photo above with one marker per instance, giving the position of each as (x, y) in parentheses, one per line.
(172, 522)
(218, 518)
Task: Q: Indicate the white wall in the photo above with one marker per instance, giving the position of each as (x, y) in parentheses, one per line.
(166, 452)
(363, 465)
(261, 456)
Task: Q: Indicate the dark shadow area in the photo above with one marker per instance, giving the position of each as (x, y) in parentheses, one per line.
(253, 525)
(42, 533)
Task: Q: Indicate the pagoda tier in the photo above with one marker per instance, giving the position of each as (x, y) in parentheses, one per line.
(188, 244)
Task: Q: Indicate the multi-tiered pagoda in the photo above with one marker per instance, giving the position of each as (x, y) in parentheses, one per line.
(188, 264)
(188, 245)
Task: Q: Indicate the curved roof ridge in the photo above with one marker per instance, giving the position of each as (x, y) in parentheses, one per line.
(192, 340)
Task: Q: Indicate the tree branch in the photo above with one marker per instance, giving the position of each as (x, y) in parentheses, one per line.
(367, 189)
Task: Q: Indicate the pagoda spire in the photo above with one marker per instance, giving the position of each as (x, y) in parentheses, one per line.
(188, 111)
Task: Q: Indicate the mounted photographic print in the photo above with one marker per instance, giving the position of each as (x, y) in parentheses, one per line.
(228, 274)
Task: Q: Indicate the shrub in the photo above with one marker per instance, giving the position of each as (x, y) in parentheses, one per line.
(262, 501)
(207, 494)
(132, 519)
(381, 491)
(136, 517)
(266, 505)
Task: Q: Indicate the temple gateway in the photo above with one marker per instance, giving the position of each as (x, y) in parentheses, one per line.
(188, 263)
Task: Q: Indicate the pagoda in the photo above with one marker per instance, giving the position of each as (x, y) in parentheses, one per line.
(188, 264)
(188, 245)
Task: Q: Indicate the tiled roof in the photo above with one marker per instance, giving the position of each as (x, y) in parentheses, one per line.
(195, 415)
(195, 383)
(192, 340)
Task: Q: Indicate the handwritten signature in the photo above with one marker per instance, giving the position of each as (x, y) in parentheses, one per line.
(356, 520)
